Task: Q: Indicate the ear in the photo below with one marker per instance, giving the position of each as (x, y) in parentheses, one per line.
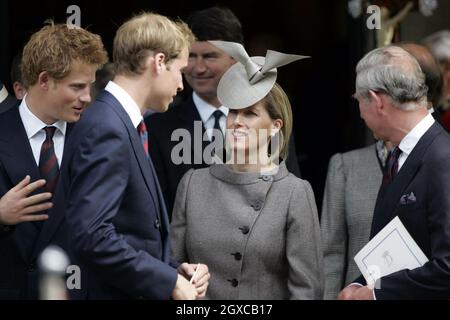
(159, 62)
(44, 80)
(276, 126)
(377, 100)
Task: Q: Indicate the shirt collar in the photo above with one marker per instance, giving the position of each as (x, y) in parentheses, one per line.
(33, 124)
(412, 138)
(127, 102)
(205, 109)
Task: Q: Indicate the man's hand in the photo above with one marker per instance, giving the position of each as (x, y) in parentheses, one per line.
(356, 292)
(363, 293)
(347, 292)
(17, 207)
(201, 276)
(183, 290)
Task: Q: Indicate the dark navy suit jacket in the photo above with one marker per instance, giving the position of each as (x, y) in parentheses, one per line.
(21, 245)
(420, 196)
(117, 221)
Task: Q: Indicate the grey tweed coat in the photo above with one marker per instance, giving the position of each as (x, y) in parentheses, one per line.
(258, 234)
(349, 200)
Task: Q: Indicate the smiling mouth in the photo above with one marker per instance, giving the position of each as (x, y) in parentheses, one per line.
(239, 134)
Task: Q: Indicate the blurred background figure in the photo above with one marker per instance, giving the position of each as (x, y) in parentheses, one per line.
(16, 77)
(53, 263)
(102, 77)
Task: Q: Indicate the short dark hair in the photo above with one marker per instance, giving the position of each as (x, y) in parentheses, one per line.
(215, 23)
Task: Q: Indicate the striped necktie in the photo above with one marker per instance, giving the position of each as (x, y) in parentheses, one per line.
(142, 130)
(48, 164)
(391, 166)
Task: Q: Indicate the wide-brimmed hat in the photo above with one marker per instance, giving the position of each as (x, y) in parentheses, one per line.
(251, 78)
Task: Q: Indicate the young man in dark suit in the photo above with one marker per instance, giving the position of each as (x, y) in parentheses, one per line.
(116, 216)
(392, 96)
(201, 111)
(59, 65)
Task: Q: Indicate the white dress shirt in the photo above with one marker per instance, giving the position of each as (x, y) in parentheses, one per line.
(410, 140)
(127, 102)
(206, 111)
(34, 129)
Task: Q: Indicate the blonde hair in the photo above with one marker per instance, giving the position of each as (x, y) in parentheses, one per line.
(278, 107)
(145, 34)
(55, 47)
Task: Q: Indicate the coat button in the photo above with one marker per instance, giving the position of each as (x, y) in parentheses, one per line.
(233, 282)
(266, 178)
(244, 229)
(237, 256)
(32, 267)
(157, 224)
(257, 205)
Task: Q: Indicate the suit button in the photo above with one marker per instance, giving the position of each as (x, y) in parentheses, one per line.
(237, 256)
(233, 282)
(32, 267)
(244, 229)
(157, 224)
(6, 228)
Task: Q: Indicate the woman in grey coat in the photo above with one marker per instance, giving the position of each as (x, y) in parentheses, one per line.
(252, 222)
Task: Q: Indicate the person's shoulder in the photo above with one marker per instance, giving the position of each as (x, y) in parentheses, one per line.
(359, 153)
(296, 183)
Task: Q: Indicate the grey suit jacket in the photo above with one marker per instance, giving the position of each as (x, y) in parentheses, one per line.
(258, 234)
(351, 189)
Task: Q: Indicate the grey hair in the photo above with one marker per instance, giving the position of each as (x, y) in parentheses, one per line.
(395, 72)
(439, 45)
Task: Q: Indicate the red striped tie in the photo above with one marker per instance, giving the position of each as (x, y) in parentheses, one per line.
(48, 164)
(142, 130)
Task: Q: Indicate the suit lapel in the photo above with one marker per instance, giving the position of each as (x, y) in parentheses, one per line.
(389, 196)
(18, 161)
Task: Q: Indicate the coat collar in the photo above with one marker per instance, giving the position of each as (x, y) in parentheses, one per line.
(224, 173)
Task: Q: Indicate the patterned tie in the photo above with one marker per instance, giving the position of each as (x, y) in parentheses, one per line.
(48, 164)
(391, 166)
(142, 130)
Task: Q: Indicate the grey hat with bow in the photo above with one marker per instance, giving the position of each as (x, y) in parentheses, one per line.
(251, 78)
